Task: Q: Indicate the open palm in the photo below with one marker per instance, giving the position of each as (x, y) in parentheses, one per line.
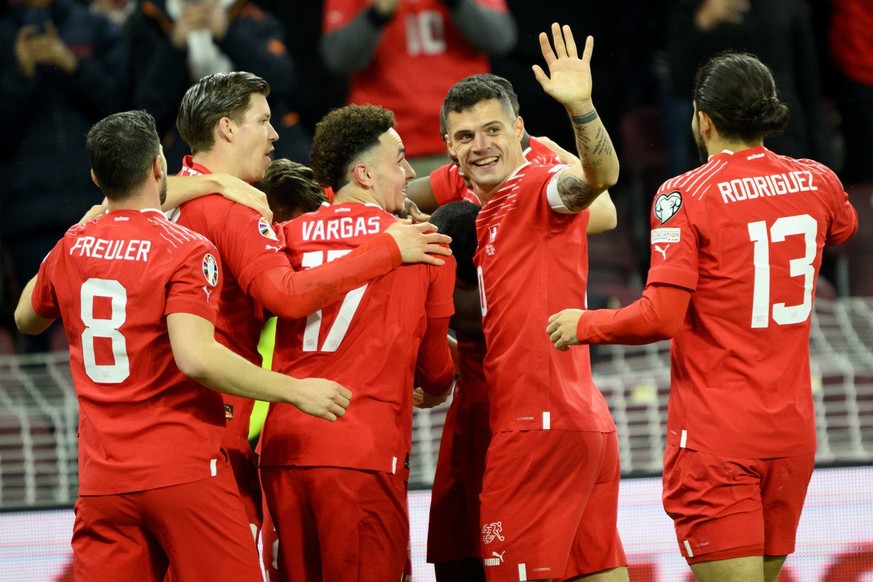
(569, 79)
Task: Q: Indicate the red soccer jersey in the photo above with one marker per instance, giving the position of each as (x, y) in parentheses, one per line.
(368, 342)
(420, 55)
(745, 233)
(533, 262)
(247, 246)
(448, 185)
(142, 423)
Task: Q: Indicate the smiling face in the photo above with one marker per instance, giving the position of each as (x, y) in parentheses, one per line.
(253, 140)
(486, 140)
(389, 171)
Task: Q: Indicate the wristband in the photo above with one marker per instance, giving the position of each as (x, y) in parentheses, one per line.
(583, 119)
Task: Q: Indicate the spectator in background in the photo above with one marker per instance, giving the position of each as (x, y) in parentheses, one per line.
(61, 69)
(736, 250)
(117, 11)
(780, 32)
(851, 48)
(176, 42)
(404, 55)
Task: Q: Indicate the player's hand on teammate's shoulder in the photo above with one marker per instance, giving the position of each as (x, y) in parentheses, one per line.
(420, 243)
(95, 211)
(412, 212)
(321, 398)
(562, 328)
(242, 192)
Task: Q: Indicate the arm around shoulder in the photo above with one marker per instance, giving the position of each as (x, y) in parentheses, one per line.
(203, 359)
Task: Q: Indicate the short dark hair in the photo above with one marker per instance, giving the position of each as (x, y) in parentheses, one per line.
(342, 136)
(738, 93)
(469, 92)
(291, 189)
(210, 99)
(121, 149)
(496, 79)
(458, 220)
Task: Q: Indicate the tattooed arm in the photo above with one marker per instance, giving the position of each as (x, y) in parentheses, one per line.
(569, 83)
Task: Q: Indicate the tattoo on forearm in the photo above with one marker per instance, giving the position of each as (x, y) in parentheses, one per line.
(574, 192)
(603, 146)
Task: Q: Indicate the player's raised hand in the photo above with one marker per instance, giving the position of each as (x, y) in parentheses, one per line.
(420, 243)
(569, 78)
(321, 398)
(562, 328)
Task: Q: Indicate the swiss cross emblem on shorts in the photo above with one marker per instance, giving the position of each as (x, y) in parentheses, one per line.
(492, 531)
(210, 269)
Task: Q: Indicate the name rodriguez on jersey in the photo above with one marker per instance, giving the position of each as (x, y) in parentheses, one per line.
(754, 187)
(343, 227)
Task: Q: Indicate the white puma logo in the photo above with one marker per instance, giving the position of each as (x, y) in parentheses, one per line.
(495, 560)
(662, 251)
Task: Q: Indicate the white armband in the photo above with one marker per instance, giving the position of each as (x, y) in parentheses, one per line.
(552, 194)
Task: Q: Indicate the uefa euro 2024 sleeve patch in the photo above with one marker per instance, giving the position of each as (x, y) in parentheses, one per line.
(667, 205)
(210, 269)
(266, 230)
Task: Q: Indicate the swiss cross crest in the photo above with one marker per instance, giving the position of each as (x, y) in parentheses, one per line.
(492, 531)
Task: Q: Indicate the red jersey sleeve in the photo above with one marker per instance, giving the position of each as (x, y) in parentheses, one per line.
(434, 366)
(447, 184)
(195, 285)
(673, 240)
(43, 300)
(250, 246)
(844, 224)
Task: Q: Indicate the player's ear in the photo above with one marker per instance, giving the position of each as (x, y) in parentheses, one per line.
(451, 147)
(225, 129)
(518, 128)
(158, 167)
(361, 174)
(94, 179)
(704, 122)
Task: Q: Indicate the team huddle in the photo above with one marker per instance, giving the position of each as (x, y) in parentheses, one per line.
(164, 316)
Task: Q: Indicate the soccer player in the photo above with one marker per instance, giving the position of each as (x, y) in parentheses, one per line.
(736, 250)
(550, 492)
(138, 297)
(338, 497)
(453, 527)
(291, 189)
(225, 120)
(447, 184)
